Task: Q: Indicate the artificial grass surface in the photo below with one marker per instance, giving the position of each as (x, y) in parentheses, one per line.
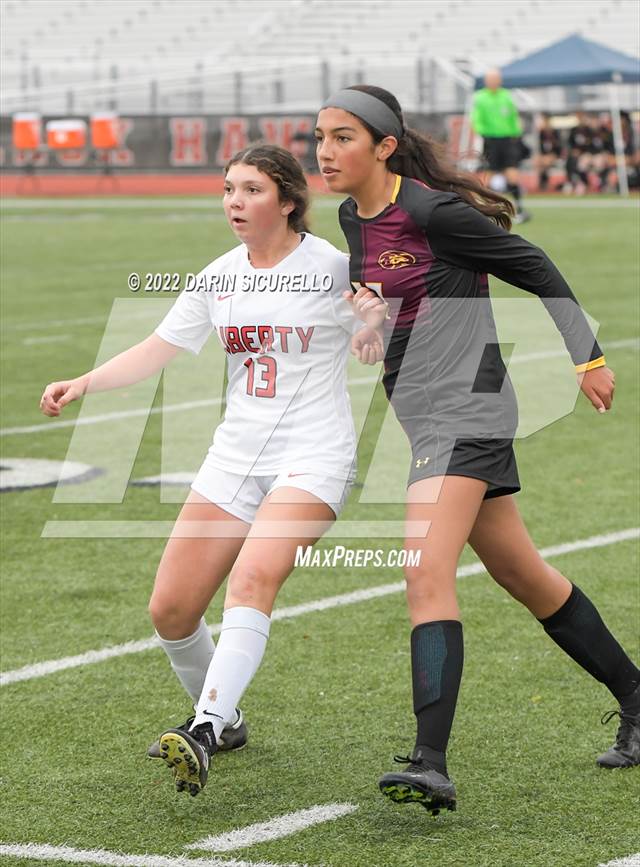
(331, 703)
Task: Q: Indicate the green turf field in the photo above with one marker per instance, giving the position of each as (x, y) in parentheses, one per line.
(331, 704)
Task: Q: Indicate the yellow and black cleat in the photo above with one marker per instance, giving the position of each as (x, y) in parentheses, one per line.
(188, 754)
(234, 736)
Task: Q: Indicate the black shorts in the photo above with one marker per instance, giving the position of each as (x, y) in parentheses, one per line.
(491, 460)
(502, 153)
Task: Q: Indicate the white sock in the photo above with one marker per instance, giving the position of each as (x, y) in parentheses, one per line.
(190, 658)
(236, 659)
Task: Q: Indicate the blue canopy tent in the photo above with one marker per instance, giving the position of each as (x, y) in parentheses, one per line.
(574, 61)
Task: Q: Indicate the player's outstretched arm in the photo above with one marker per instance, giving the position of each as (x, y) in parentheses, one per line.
(131, 366)
(461, 235)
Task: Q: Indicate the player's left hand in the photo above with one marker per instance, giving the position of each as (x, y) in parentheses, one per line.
(367, 346)
(368, 306)
(598, 386)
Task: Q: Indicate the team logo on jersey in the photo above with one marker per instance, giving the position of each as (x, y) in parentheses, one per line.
(392, 259)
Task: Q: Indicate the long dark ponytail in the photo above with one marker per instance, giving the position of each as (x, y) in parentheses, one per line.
(421, 157)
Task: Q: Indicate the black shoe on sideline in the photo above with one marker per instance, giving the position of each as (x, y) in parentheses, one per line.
(188, 754)
(419, 784)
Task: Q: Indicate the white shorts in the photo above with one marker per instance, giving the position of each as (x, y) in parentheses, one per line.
(242, 495)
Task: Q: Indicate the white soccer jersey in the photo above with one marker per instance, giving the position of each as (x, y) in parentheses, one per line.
(286, 331)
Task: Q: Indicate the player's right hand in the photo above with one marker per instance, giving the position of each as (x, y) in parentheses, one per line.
(598, 386)
(368, 306)
(59, 394)
(367, 346)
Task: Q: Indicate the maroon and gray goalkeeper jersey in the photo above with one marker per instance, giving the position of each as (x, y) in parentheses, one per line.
(428, 253)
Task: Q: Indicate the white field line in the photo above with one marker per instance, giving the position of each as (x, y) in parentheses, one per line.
(274, 829)
(63, 323)
(42, 669)
(56, 323)
(43, 427)
(44, 852)
(342, 529)
(130, 413)
(212, 203)
(47, 338)
(627, 861)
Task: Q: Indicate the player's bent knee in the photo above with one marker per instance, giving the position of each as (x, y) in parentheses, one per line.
(172, 619)
(429, 574)
(250, 585)
(429, 582)
(522, 583)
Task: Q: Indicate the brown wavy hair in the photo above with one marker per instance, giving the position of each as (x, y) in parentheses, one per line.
(286, 173)
(420, 156)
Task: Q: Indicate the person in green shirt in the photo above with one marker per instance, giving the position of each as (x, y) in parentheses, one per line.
(495, 117)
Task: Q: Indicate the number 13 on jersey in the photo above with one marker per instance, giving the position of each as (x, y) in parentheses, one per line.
(266, 385)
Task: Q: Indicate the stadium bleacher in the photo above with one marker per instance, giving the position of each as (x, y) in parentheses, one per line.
(73, 54)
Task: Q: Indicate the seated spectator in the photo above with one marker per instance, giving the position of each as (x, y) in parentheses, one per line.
(602, 149)
(631, 151)
(550, 150)
(579, 155)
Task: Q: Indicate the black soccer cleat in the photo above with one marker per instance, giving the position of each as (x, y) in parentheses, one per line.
(233, 737)
(625, 753)
(188, 754)
(419, 784)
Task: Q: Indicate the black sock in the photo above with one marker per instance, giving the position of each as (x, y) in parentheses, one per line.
(437, 654)
(631, 703)
(516, 192)
(544, 179)
(580, 631)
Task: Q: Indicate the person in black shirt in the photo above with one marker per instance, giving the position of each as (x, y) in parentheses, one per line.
(579, 154)
(550, 150)
(631, 152)
(602, 149)
(422, 239)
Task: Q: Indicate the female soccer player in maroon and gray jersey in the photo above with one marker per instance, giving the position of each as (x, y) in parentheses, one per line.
(424, 237)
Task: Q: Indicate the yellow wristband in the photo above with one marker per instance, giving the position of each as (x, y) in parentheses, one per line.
(591, 365)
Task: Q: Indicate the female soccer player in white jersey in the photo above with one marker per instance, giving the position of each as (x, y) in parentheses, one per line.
(427, 236)
(282, 460)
